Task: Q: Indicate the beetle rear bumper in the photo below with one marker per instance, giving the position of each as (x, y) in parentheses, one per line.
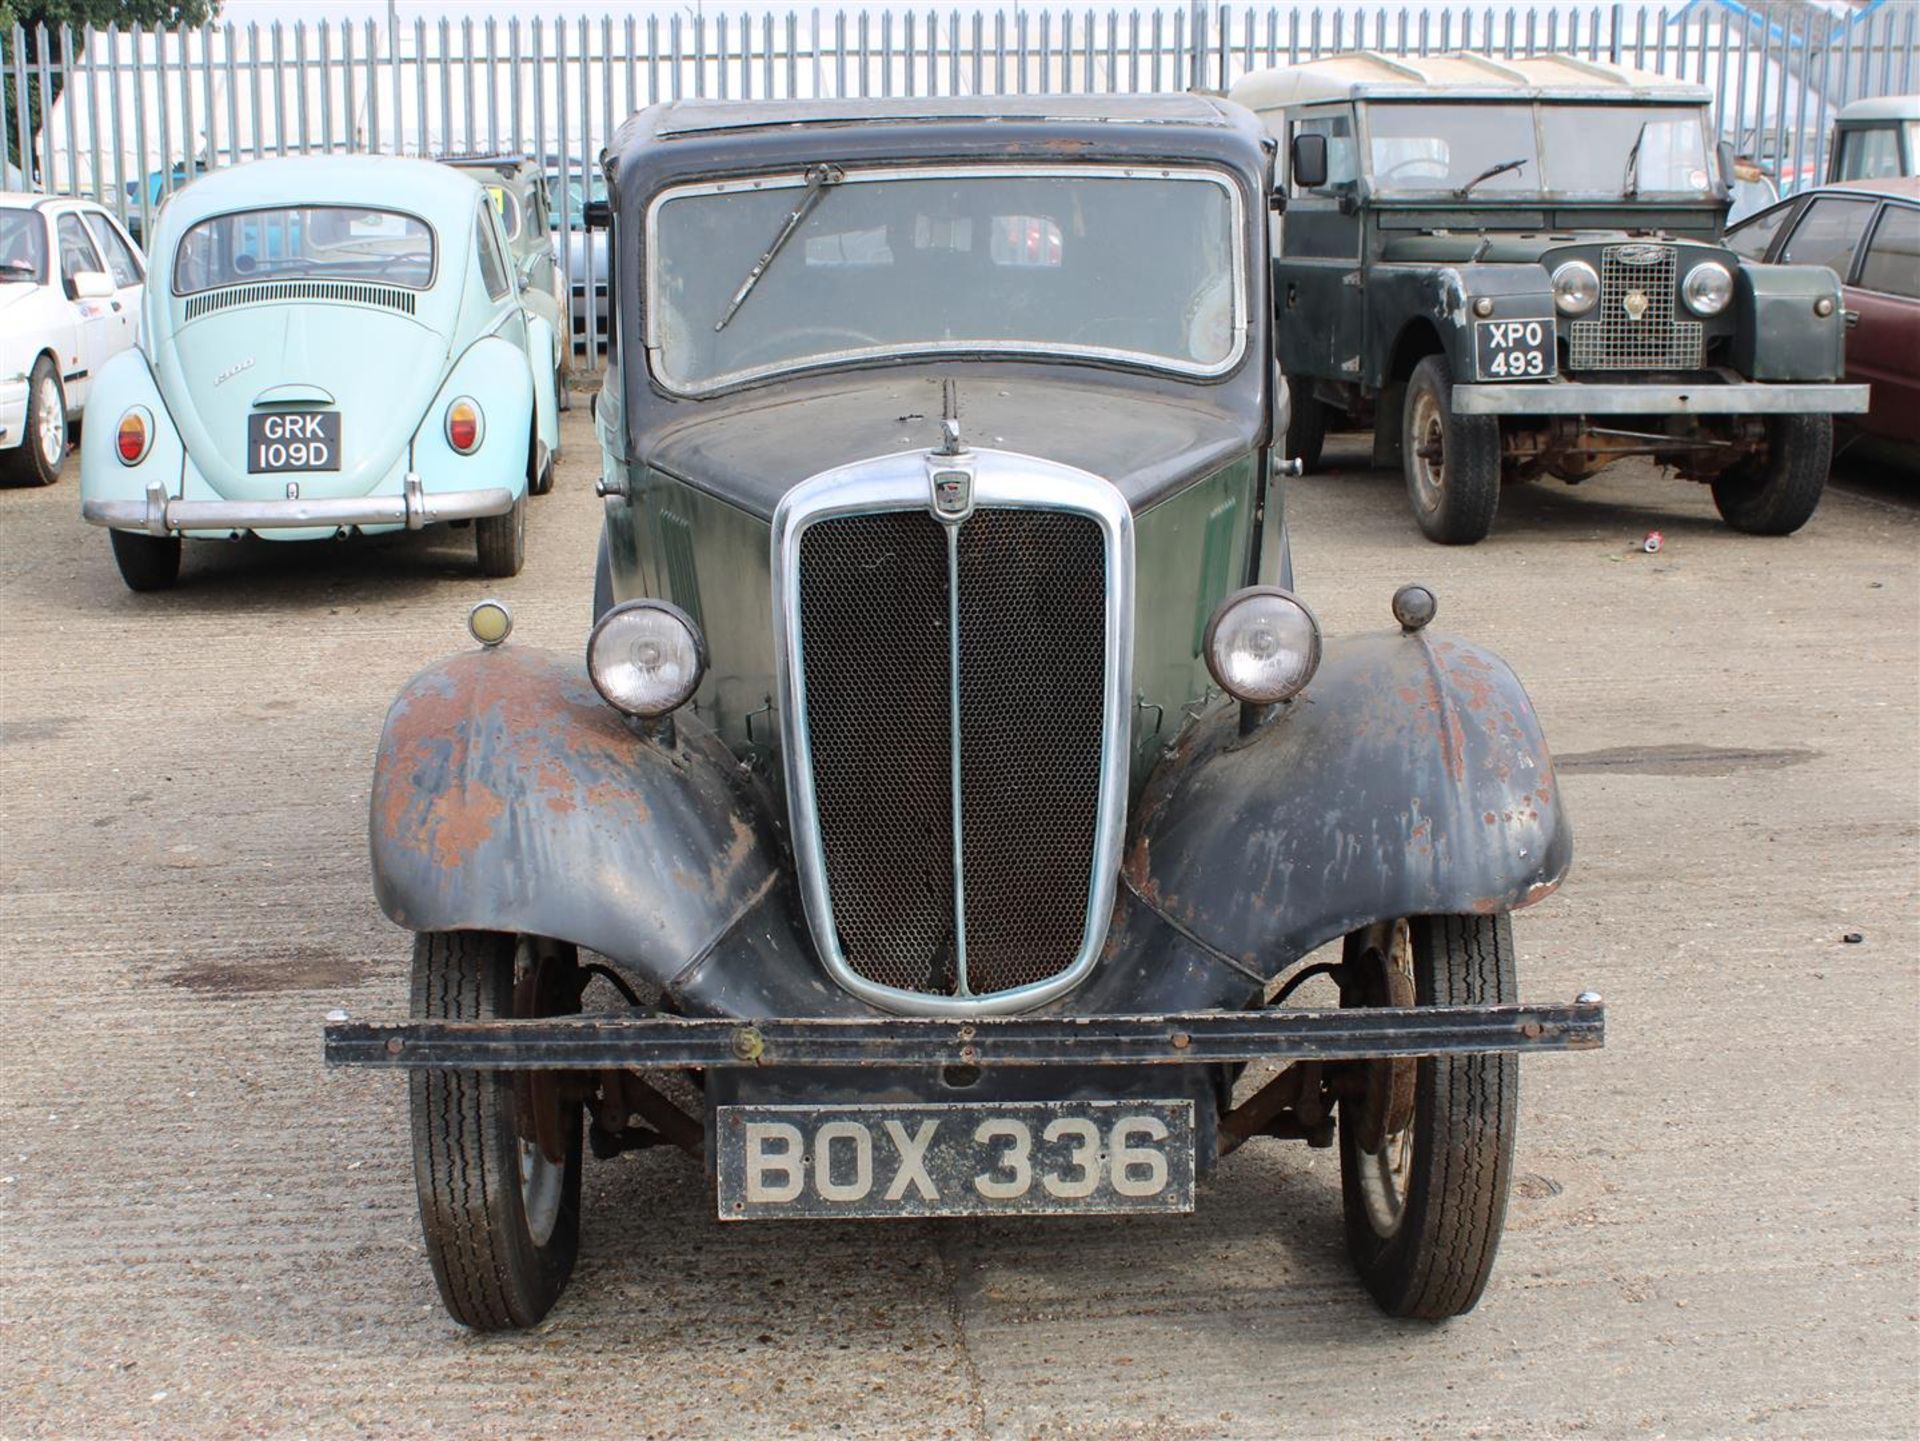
(635, 1039)
(1571, 397)
(160, 514)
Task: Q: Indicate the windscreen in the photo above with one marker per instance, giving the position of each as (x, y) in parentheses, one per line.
(1498, 149)
(305, 242)
(1136, 265)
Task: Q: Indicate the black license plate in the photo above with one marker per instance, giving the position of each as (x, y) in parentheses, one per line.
(1513, 349)
(1000, 1158)
(293, 440)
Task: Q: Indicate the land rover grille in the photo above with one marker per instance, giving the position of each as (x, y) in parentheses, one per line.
(1635, 326)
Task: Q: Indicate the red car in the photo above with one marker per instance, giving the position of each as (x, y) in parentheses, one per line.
(1868, 231)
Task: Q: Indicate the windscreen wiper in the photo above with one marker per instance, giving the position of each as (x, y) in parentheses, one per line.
(1492, 170)
(818, 179)
(1630, 182)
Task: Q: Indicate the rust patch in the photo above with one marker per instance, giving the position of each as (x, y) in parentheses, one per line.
(460, 821)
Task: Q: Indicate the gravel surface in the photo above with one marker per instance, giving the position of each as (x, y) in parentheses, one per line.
(203, 1232)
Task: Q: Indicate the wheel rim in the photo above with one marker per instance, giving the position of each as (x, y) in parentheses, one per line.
(541, 1184)
(1384, 1174)
(1427, 450)
(51, 434)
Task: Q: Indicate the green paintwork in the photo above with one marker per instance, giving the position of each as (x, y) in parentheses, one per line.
(1190, 551)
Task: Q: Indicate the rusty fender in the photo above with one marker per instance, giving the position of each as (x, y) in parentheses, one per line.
(507, 796)
(1409, 778)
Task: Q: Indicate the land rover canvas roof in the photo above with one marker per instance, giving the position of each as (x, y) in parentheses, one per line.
(1367, 74)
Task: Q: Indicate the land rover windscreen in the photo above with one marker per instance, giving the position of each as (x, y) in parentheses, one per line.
(830, 265)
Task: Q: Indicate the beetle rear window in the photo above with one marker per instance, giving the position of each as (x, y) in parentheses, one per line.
(304, 242)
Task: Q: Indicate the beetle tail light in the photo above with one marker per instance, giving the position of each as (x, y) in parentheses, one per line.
(463, 426)
(134, 437)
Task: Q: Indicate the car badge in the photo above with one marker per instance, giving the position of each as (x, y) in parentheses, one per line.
(952, 493)
(950, 467)
(1635, 304)
(293, 490)
(1640, 254)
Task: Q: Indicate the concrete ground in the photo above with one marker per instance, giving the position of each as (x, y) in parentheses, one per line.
(205, 1233)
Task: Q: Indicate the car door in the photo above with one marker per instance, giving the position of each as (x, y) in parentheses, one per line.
(1319, 297)
(128, 270)
(1828, 232)
(95, 321)
(1883, 324)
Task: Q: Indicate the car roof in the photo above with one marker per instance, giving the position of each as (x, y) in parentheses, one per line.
(1882, 107)
(421, 187)
(1896, 187)
(33, 200)
(1368, 74)
(690, 117)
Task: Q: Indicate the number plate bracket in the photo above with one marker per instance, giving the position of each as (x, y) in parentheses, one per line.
(948, 1159)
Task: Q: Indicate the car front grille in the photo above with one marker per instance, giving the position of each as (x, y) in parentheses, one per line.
(896, 628)
(1642, 278)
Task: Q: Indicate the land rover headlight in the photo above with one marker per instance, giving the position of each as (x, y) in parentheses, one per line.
(1708, 288)
(1576, 287)
(1262, 645)
(646, 658)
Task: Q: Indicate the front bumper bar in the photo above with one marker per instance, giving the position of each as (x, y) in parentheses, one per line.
(160, 514)
(1574, 397)
(641, 1041)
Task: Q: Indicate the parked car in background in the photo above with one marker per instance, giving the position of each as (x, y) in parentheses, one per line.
(1514, 269)
(336, 345)
(1876, 139)
(586, 257)
(518, 189)
(70, 280)
(1868, 233)
(936, 767)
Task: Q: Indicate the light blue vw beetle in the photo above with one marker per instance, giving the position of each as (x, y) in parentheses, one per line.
(327, 345)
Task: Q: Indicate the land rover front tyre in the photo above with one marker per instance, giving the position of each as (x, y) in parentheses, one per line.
(1452, 462)
(1306, 424)
(1776, 494)
(499, 1200)
(1425, 1205)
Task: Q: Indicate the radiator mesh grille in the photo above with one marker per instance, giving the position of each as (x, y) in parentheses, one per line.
(1636, 278)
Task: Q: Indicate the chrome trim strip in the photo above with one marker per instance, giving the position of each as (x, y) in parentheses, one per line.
(160, 515)
(954, 764)
(1573, 397)
(899, 482)
(793, 180)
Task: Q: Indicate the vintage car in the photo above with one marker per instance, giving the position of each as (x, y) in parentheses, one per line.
(953, 790)
(1868, 233)
(70, 283)
(1513, 268)
(338, 345)
(1876, 139)
(518, 189)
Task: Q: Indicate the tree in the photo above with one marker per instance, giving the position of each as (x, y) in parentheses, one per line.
(82, 15)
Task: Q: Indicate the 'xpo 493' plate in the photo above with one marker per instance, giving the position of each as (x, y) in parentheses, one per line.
(1015, 1158)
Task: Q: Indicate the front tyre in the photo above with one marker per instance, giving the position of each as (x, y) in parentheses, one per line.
(42, 452)
(1777, 494)
(497, 1164)
(147, 562)
(501, 541)
(1306, 424)
(1424, 1168)
(1452, 462)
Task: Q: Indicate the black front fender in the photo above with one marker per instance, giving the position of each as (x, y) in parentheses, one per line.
(1409, 778)
(507, 796)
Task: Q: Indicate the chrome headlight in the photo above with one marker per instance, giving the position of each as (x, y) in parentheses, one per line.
(1576, 287)
(646, 658)
(1708, 288)
(1262, 645)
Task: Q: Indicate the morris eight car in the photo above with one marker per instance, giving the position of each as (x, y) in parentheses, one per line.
(1514, 268)
(336, 345)
(69, 289)
(954, 791)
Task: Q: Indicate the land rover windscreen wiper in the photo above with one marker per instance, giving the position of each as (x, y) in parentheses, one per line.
(818, 179)
(1492, 170)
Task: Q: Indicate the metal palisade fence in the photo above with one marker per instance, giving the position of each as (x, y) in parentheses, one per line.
(128, 116)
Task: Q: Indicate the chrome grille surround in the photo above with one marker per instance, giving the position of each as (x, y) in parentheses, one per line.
(1612, 339)
(1002, 481)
